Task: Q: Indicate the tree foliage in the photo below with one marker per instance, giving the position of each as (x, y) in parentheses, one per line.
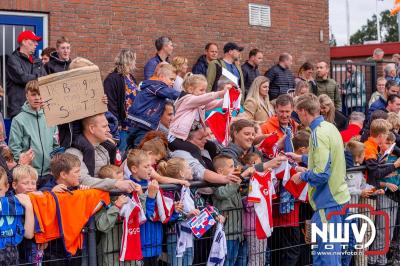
(388, 26)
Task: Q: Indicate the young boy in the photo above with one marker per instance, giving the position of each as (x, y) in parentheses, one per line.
(13, 228)
(379, 132)
(228, 198)
(300, 145)
(388, 201)
(30, 131)
(258, 253)
(287, 217)
(359, 190)
(151, 232)
(145, 113)
(66, 170)
(107, 218)
(24, 181)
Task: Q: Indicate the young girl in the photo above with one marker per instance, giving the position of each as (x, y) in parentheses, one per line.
(180, 169)
(190, 112)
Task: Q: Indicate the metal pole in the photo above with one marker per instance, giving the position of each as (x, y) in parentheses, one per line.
(91, 245)
(398, 24)
(348, 22)
(378, 27)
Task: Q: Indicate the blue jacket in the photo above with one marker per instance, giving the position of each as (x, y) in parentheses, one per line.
(201, 66)
(151, 66)
(151, 233)
(149, 104)
(49, 185)
(379, 104)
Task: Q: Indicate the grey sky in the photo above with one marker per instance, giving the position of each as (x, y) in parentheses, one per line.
(360, 11)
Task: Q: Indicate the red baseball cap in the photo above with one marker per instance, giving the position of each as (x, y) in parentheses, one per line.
(30, 35)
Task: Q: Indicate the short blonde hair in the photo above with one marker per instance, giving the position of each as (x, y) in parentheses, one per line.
(309, 103)
(379, 126)
(178, 62)
(356, 148)
(62, 40)
(394, 120)
(192, 81)
(172, 167)
(136, 157)
(155, 146)
(22, 171)
(109, 171)
(165, 70)
(32, 86)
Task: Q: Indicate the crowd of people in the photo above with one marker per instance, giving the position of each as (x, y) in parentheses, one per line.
(305, 121)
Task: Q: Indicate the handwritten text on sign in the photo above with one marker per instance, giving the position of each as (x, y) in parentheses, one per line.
(72, 95)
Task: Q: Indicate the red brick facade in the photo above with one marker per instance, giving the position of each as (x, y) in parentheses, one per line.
(98, 29)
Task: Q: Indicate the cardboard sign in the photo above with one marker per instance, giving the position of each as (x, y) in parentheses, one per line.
(72, 95)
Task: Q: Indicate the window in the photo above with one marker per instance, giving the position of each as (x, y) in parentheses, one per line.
(11, 25)
(259, 15)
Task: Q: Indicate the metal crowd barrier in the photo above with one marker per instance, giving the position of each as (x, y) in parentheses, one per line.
(277, 250)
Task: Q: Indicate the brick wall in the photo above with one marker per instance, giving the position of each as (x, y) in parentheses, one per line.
(98, 29)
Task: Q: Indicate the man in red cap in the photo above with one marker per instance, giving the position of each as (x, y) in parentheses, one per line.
(21, 68)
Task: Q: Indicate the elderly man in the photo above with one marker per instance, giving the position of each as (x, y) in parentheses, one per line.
(356, 121)
(22, 67)
(229, 62)
(391, 73)
(280, 76)
(327, 85)
(96, 131)
(61, 58)
(210, 53)
(250, 68)
(164, 51)
(328, 191)
(377, 55)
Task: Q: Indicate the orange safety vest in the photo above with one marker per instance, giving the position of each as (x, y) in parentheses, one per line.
(64, 215)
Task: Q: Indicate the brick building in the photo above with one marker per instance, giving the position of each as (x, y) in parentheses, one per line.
(98, 29)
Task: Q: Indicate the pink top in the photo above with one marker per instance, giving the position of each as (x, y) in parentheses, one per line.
(189, 108)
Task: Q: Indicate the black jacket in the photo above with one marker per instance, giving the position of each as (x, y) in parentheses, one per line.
(114, 88)
(201, 66)
(281, 80)
(19, 71)
(249, 74)
(340, 120)
(56, 64)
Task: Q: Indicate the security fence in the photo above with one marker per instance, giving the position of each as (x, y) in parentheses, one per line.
(289, 243)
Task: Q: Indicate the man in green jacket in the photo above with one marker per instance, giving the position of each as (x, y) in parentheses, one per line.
(231, 56)
(327, 85)
(327, 188)
(30, 131)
